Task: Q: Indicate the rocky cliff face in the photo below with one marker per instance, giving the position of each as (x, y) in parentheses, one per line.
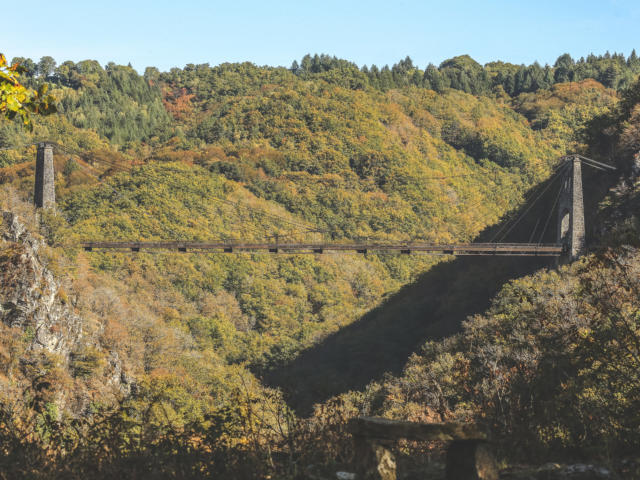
(32, 301)
(30, 297)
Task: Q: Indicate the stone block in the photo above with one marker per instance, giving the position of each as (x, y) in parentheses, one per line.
(471, 460)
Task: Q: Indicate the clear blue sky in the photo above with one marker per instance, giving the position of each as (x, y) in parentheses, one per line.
(167, 34)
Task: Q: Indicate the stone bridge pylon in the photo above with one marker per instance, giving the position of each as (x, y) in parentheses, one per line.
(44, 195)
(571, 229)
(571, 225)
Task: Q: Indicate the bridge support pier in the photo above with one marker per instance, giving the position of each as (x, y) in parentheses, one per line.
(571, 228)
(44, 191)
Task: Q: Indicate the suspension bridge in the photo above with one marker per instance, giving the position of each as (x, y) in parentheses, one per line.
(570, 241)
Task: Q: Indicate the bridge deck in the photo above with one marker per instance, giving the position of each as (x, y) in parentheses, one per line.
(505, 249)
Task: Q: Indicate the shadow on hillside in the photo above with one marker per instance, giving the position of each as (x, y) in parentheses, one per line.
(431, 308)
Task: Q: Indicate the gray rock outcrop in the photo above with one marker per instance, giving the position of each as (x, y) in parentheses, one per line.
(34, 301)
(30, 296)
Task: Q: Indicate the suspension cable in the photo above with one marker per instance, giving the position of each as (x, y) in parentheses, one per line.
(555, 202)
(554, 177)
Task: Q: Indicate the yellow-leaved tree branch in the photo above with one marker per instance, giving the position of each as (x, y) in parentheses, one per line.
(16, 99)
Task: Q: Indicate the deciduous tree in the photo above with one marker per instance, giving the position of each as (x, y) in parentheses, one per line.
(18, 100)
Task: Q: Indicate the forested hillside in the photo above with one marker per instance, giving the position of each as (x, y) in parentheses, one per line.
(167, 375)
(464, 73)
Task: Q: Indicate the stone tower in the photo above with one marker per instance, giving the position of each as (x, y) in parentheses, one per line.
(44, 194)
(571, 229)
